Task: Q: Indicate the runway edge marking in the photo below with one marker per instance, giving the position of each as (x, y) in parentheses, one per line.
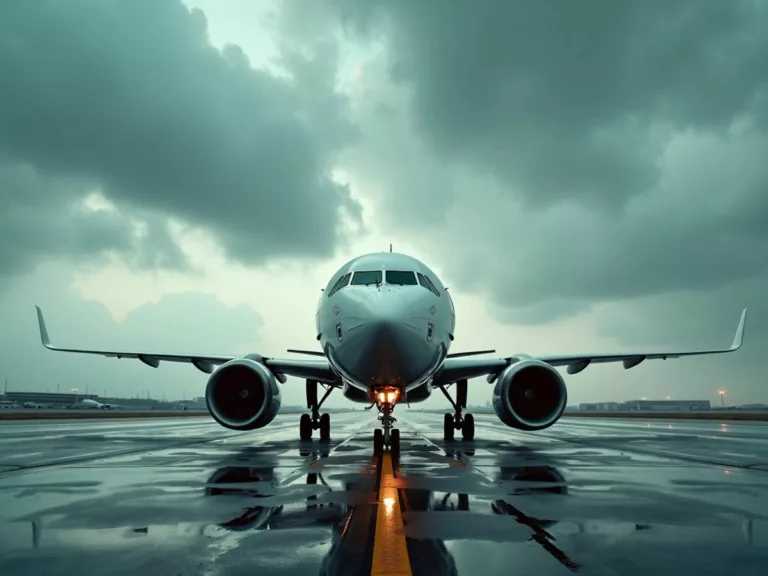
(390, 553)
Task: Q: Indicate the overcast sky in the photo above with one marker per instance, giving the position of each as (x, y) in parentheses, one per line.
(184, 177)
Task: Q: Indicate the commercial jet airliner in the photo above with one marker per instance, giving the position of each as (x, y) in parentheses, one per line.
(385, 324)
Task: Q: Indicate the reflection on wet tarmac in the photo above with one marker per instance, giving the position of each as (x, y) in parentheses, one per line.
(428, 554)
(269, 504)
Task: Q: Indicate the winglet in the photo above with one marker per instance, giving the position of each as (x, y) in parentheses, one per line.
(739, 337)
(43, 330)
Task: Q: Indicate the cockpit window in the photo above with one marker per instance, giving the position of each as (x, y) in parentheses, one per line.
(401, 277)
(424, 281)
(363, 278)
(343, 281)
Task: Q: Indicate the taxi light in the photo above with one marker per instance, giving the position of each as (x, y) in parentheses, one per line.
(388, 395)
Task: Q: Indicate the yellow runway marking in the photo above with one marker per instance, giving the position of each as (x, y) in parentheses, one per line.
(390, 554)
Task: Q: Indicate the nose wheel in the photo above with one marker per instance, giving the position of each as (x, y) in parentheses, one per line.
(386, 436)
(315, 421)
(457, 420)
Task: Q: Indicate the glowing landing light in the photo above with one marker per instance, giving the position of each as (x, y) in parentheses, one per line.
(669, 397)
(388, 395)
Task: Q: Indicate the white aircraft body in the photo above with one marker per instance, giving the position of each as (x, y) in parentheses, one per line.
(385, 324)
(88, 403)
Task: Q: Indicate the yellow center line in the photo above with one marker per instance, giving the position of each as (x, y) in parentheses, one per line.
(390, 553)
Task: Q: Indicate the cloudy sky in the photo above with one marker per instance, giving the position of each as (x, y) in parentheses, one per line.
(184, 177)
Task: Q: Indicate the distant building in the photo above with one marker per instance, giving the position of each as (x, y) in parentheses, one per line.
(47, 398)
(602, 406)
(667, 405)
(647, 405)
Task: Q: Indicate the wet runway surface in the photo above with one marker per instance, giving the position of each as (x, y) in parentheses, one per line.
(187, 497)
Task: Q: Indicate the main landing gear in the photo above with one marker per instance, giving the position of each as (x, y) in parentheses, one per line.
(386, 436)
(456, 421)
(310, 422)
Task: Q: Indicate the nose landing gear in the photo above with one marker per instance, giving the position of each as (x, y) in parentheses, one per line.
(386, 436)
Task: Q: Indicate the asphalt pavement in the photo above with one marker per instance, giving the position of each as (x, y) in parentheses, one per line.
(187, 497)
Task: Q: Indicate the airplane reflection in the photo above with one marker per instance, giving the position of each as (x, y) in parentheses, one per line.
(350, 524)
(258, 498)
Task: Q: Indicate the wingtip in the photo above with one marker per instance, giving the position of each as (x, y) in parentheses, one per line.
(43, 330)
(738, 339)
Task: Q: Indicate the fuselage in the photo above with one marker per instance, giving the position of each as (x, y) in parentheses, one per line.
(384, 320)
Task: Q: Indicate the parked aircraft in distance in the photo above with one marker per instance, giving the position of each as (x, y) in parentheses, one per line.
(385, 324)
(88, 403)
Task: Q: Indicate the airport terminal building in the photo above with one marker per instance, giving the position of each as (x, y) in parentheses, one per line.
(46, 398)
(648, 405)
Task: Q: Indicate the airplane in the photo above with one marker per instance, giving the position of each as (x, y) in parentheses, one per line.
(88, 403)
(385, 323)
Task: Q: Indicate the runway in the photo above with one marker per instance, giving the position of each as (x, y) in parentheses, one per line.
(187, 497)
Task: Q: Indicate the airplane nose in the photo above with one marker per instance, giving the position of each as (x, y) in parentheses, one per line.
(386, 308)
(390, 345)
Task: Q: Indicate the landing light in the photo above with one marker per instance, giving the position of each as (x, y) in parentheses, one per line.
(388, 395)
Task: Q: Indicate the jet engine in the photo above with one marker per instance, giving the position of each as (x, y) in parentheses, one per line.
(529, 395)
(243, 395)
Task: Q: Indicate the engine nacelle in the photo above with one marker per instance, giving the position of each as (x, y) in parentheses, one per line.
(529, 395)
(243, 395)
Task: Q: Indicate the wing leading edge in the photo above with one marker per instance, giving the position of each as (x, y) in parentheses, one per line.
(314, 369)
(460, 368)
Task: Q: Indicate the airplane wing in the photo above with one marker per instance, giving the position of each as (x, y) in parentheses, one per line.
(455, 369)
(318, 370)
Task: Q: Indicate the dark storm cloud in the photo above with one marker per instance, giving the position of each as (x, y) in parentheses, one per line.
(571, 99)
(129, 97)
(43, 216)
(608, 150)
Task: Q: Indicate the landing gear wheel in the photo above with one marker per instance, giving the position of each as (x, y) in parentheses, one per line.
(394, 445)
(448, 427)
(325, 428)
(378, 441)
(468, 427)
(305, 427)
